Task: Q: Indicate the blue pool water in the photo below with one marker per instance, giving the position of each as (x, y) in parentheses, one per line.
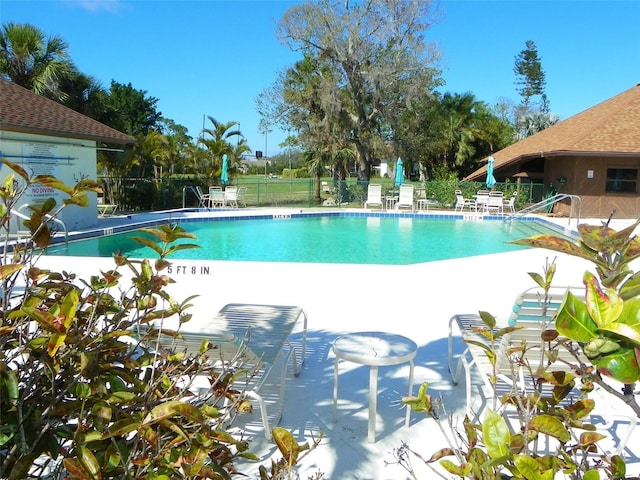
(324, 239)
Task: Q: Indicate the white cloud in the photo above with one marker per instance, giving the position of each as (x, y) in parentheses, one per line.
(96, 5)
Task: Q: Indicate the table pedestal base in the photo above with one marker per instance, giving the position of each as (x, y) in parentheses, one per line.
(373, 349)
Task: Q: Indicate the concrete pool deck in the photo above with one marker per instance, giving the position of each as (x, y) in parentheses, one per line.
(416, 301)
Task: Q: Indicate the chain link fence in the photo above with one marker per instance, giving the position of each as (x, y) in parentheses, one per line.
(136, 194)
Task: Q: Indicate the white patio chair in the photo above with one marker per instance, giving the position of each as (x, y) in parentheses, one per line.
(530, 306)
(510, 204)
(462, 202)
(422, 202)
(495, 202)
(242, 193)
(216, 197)
(203, 198)
(481, 198)
(231, 196)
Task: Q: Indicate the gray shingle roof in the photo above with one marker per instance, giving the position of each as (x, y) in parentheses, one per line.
(23, 111)
(610, 128)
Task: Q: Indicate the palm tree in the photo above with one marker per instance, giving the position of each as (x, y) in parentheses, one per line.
(29, 59)
(220, 144)
(534, 122)
(236, 162)
(195, 159)
(152, 150)
(84, 94)
(340, 165)
(315, 160)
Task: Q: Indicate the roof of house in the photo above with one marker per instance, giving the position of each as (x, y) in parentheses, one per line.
(611, 128)
(23, 111)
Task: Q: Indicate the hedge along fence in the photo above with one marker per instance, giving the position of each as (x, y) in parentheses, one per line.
(178, 192)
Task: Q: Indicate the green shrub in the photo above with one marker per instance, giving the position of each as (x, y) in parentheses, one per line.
(141, 195)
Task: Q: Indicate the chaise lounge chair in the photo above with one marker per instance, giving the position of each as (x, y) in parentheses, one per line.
(405, 199)
(105, 209)
(374, 195)
(532, 313)
(529, 308)
(255, 338)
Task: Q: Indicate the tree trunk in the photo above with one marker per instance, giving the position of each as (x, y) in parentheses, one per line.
(364, 163)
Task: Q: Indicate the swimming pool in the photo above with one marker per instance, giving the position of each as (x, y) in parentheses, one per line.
(382, 240)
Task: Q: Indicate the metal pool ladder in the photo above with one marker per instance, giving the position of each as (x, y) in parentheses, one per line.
(576, 205)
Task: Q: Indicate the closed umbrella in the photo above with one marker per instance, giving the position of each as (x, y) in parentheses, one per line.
(224, 176)
(491, 180)
(399, 180)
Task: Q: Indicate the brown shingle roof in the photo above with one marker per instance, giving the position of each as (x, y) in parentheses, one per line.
(23, 111)
(611, 127)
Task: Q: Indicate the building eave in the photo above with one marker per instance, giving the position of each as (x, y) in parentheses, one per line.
(118, 140)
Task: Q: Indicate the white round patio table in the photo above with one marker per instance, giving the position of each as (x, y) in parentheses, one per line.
(374, 349)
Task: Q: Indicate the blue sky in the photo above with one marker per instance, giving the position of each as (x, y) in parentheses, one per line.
(213, 57)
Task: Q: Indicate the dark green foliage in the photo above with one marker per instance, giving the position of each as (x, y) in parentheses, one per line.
(529, 73)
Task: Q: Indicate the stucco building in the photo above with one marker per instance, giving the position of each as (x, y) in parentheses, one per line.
(47, 138)
(594, 154)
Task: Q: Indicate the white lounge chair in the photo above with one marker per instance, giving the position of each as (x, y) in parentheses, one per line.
(105, 209)
(532, 313)
(405, 198)
(530, 306)
(255, 338)
(374, 195)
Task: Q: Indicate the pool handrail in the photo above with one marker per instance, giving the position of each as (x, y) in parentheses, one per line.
(17, 212)
(549, 202)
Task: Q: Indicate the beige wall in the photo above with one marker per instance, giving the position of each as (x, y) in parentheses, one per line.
(596, 202)
(69, 160)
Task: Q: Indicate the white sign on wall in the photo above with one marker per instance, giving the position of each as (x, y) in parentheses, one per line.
(41, 159)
